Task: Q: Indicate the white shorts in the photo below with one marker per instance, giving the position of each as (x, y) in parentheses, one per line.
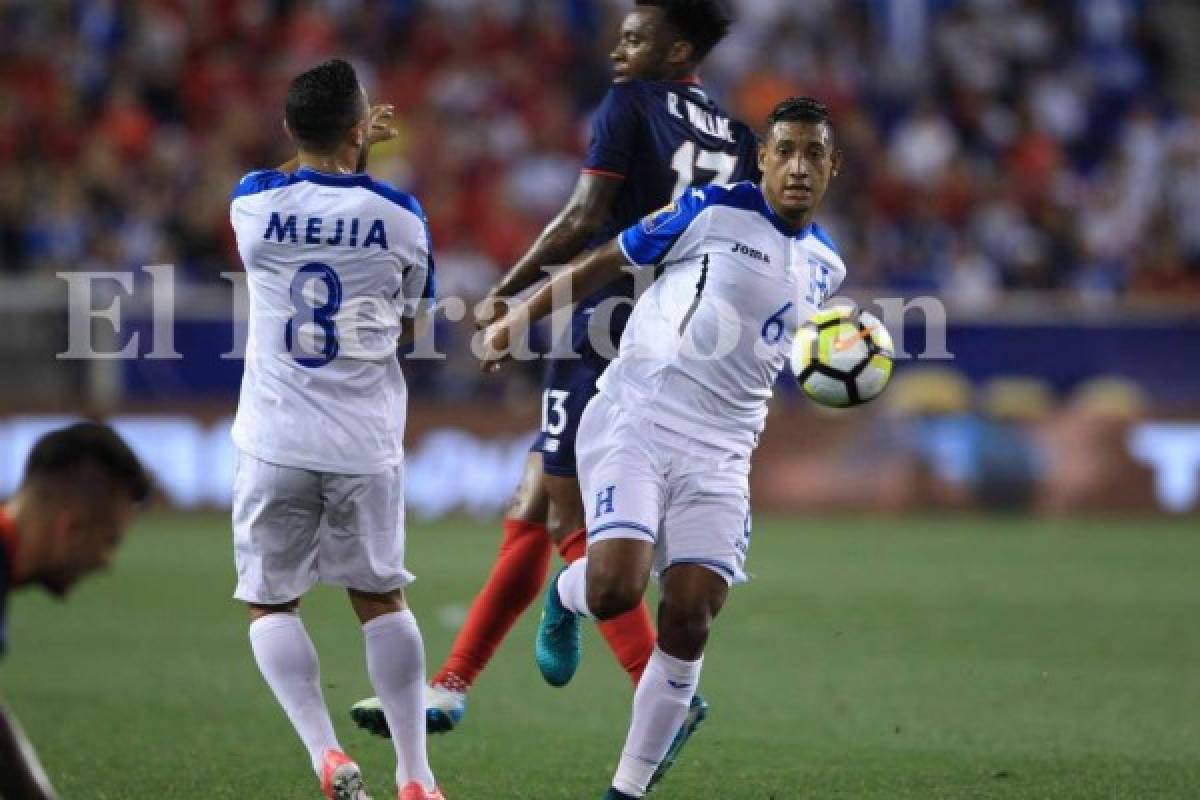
(293, 527)
(643, 481)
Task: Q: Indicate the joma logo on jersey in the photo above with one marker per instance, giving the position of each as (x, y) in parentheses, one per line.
(331, 233)
(745, 250)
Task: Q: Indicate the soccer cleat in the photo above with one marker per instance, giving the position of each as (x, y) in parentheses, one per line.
(341, 779)
(559, 639)
(415, 791)
(613, 794)
(697, 713)
(368, 715)
(444, 709)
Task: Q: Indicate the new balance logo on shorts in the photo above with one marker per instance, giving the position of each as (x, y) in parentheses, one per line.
(604, 501)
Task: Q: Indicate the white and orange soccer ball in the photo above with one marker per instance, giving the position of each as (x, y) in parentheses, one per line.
(842, 357)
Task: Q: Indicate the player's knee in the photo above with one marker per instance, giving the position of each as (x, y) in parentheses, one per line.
(613, 596)
(683, 629)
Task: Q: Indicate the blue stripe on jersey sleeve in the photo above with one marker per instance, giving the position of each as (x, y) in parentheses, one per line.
(410, 203)
(261, 181)
(824, 238)
(402, 199)
(647, 243)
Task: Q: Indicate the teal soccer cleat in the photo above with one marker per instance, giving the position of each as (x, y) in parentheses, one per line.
(697, 713)
(559, 640)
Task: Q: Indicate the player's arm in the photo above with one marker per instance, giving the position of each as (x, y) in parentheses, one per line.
(611, 156)
(666, 236)
(588, 274)
(562, 240)
(21, 774)
(414, 328)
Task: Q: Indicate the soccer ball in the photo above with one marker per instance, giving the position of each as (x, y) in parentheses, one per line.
(842, 357)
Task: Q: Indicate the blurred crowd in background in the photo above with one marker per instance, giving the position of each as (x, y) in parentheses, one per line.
(990, 144)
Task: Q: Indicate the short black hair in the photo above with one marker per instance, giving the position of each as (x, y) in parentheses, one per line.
(323, 103)
(800, 109)
(704, 23)
(61, 454)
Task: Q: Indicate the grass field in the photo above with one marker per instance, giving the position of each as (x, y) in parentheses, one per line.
(868, 659)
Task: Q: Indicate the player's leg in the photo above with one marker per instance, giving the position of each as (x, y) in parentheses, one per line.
(692, 596)
(572, 385)
(276, 514)
(396, 666)
(361, 547)
(516, 577)
(622, 493)
(703, 544)
(630, 636)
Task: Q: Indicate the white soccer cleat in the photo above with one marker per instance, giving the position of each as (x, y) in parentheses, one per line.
(444, 708)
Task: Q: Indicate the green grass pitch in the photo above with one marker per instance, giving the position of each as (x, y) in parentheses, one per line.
(867, 659)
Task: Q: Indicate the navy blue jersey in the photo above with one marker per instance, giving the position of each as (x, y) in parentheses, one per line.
(661, 138)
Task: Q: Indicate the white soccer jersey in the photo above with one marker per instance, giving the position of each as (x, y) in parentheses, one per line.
(705, 343)
(334, 262)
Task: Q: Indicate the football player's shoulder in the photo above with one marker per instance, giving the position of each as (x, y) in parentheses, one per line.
(261, 180)
(823, 238)
(742, 195)
(823, 243)
(743, 132)
(395, 196)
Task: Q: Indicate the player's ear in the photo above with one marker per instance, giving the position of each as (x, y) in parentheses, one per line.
(837, 164)
(681, 52)
(358, 134)
(762, 156)
(287, 131)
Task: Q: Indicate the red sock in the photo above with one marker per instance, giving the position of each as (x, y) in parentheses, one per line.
(516, 580)
(630, 636)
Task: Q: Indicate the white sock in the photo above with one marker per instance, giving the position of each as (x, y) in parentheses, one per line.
(287, 659)
(396, 664)
(572, 588)
(660, 706)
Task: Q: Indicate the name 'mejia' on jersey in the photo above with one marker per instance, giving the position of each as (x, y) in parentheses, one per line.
(281, 229)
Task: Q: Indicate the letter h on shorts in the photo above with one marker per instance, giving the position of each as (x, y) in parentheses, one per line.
(604, 501)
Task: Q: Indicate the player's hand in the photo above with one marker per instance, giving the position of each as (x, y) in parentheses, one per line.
(489, 309)
(383, 125)
(495, 340)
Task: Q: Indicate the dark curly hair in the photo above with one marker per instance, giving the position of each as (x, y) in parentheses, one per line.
(703, 23)
(323, 103)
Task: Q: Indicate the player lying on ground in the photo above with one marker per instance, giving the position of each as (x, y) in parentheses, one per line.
(66, 520)
(664, 447)
(340, 271)
(656, 134)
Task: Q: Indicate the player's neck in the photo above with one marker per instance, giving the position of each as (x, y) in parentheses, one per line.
(682, 75)
(331, 164)
(797, 223)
